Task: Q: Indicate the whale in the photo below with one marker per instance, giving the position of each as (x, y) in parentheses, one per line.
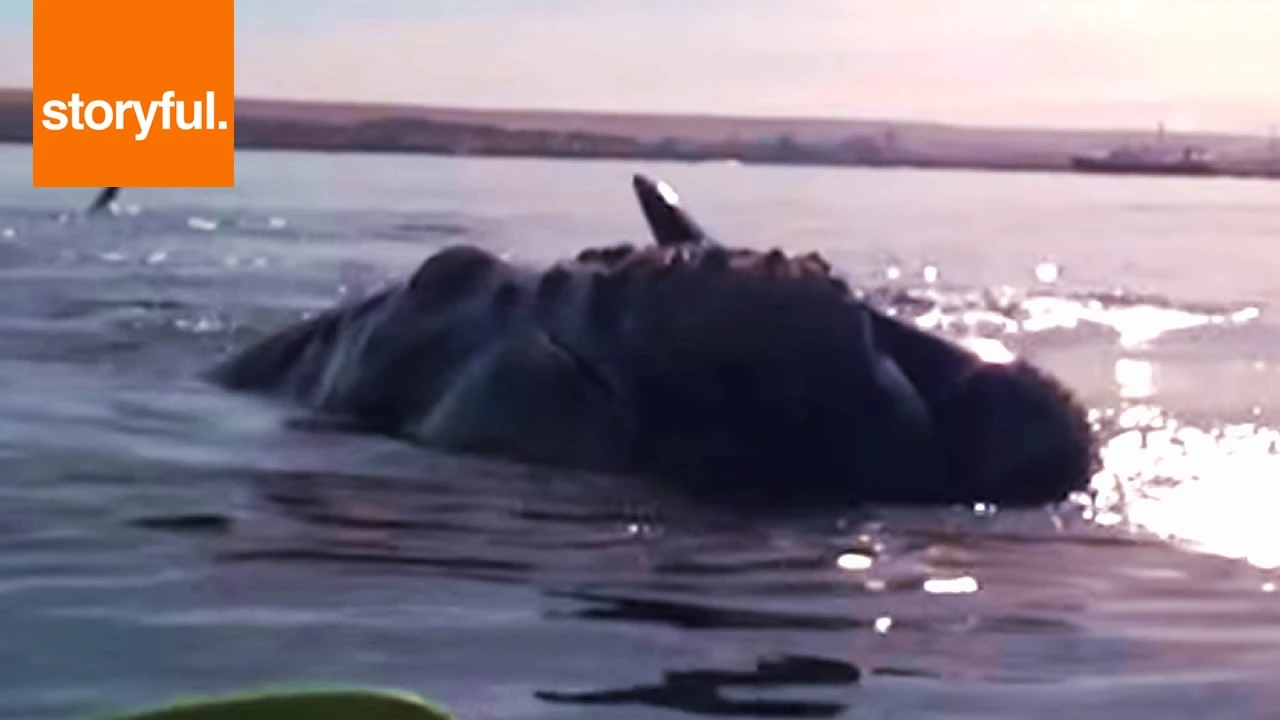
(105, 201)
(735, 375)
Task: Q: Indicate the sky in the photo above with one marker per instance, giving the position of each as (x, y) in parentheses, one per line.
(1192, 64)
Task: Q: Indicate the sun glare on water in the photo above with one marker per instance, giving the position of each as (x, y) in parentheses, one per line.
(1207, 485)
(1211, 488)
(1214, 490)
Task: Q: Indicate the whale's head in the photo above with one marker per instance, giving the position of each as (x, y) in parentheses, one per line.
(1007, 433)
(1014, 435)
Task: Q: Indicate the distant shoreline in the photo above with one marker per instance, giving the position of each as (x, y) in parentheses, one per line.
(976, 166)
(267, 125)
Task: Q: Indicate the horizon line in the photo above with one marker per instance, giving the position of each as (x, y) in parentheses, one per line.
(720, 116)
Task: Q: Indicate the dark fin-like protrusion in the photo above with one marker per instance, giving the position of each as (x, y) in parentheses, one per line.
(669, 223)
(103, 201)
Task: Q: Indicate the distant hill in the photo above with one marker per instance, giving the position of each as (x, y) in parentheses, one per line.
(336, 126)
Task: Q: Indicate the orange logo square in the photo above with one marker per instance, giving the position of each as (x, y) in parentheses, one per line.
(133, 93)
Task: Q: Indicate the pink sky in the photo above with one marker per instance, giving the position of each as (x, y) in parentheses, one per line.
(1196, 64)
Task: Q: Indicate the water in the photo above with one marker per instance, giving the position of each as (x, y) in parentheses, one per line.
(159, 537)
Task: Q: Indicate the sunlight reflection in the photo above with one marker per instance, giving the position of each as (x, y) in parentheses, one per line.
(199, 223)
(1245, 315)
(1136, 378)
(1211, 487)
(1147, 416)
(1004, 310)
(1142, 324)
(1047, 272)
(1136, 324)
(668, 193)
(984, 509)
(932, 319)
(1214, 489)
(953, 586)
(977, 318)
(854, 561)
(990, 350)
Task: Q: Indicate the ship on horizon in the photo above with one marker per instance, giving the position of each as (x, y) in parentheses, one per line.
(1157, 158)
(1191, 161)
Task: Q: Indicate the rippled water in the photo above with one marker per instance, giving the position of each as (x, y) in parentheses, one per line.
(160, 537)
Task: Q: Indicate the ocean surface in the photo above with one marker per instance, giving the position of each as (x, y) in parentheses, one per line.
(159, 537)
